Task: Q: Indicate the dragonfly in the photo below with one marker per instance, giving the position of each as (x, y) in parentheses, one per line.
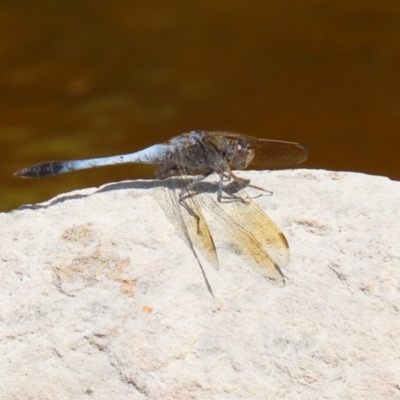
(191, 158)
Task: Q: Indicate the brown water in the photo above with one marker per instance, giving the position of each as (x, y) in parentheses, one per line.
(88, 79)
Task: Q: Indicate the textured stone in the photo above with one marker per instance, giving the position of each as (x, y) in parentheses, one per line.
(101, 298)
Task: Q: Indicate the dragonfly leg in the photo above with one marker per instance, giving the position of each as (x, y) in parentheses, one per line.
(241, 182)
(187, 190)
(192, 213)
(228, 175)
(225, 175)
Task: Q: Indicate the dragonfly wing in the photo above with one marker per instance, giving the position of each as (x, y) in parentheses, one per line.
(187, 218)
(270, 153)
(243, 239)
(276, 153)
(246, 213)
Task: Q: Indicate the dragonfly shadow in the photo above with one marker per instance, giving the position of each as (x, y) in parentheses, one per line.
(172, 183)
(169, 183)
(209, 187)
(139, 184)
(59, 199)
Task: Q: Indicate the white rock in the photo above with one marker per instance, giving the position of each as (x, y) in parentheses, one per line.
(101, 298)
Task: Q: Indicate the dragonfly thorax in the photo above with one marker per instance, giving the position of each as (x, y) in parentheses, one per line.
(204, 150)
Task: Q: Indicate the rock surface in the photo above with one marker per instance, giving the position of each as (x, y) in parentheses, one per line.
(100, 298)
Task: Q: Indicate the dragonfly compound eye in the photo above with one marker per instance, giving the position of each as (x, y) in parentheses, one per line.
(239, 156)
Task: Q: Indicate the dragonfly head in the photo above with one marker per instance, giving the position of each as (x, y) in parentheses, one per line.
(242, 154)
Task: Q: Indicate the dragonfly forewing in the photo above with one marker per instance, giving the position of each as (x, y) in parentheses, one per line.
(247, 214)
(235, 228)
(270, 153)
(187, 217)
